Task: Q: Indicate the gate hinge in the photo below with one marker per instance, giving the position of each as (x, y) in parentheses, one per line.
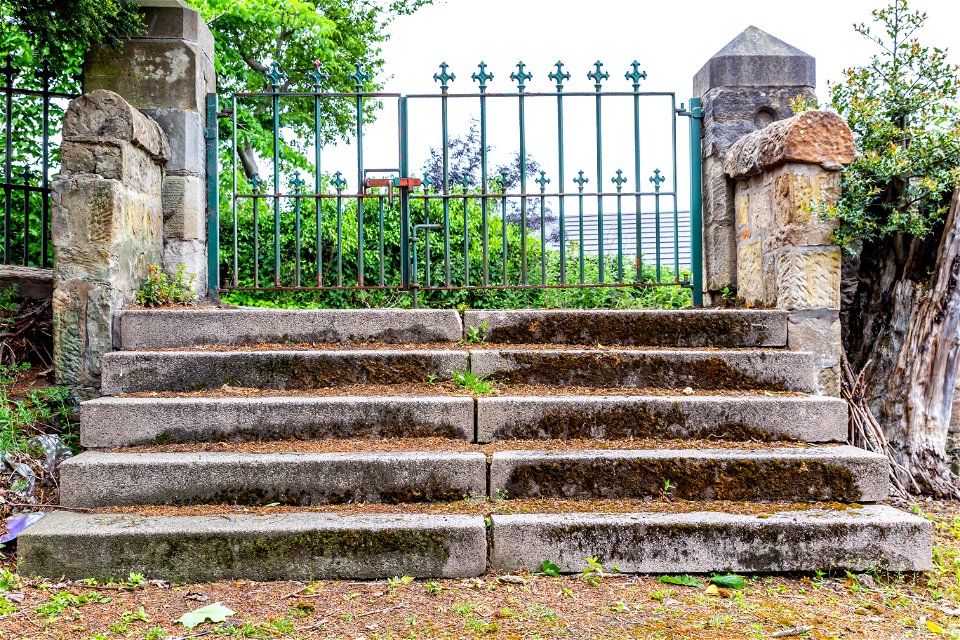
(696, 112)
(391, 184)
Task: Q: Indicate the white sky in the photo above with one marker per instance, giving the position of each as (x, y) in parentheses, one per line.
(671, 40)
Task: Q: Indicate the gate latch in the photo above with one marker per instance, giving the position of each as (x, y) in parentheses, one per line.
(391, 184)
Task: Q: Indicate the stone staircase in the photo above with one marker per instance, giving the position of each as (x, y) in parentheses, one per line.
(269, 444)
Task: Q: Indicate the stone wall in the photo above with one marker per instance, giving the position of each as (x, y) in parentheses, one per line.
(744, 87)
(167, 73)
(106, 225)
(785, 256)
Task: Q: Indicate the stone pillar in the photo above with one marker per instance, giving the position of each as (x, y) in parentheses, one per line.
(107, 227)
(744, 87)
(167, 73)
(785, 252)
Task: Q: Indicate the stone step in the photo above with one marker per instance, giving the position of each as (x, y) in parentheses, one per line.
(801, 474)
(150, 329)
(668, 369)
(805, 419)
(651, 328)
(127, 422)
(875, 537)
(102, 479)
(135, 371)
(289, 546)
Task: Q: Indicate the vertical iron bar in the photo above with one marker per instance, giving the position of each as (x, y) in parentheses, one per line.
(297, 188)
(523, 191)
(213, 195)
(382, 252)
(360, 186)
(45, 76)
(276, 185)
(9, 72)
(598, 76)
(676, 214)
(443, 78)
(466, 234)
(619, 237)
(26, 216)
(317, 177)
(233, 200)
(638, 206)
(256, 239)
(696, 202)
(406, 278)
(543, 180)
(483, 77)
(340, 236)
(580, 180)
(503, 224)
(559, 76)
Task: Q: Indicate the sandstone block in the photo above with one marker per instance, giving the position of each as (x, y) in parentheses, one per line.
(808, 279)
(184, 208)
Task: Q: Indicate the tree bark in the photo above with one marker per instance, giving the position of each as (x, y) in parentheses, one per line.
(917, 355)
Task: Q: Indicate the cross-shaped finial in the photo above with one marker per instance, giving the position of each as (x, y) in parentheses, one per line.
(297, 182)
(338, 182)
(444, 78)
(9, 70)
(618, 180)
(427, 182)
(359, 76)
(502, 179)
(318, 77)
(276, 75)
(543, 181)
(559, 75)
(657, 179)
(520, 76)
(483, 76)
(44, 75)
(465, 182)
(256, 183)
(580, 180)
(26, 176)
(635, 74)
(597, 75)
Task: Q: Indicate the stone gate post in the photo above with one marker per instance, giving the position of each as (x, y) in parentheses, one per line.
(167, 72)
(744, 87)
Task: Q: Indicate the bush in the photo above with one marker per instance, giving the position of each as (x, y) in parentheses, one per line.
(159, 290)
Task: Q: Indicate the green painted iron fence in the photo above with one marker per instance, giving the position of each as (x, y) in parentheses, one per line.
(304, 228)
(33, 104)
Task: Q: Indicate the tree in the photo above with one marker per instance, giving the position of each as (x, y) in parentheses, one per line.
(300, 36)
(895, 216)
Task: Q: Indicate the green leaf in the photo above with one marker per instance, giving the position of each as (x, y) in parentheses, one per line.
(730, 581)
(550, 569)
(215, 612)
(683, 581)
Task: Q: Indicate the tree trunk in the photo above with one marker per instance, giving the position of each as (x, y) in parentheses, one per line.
(913, 346)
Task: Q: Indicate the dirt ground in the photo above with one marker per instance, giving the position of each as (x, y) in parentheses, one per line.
(873, 605)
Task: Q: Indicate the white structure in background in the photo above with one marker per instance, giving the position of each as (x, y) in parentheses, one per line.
(648, 232)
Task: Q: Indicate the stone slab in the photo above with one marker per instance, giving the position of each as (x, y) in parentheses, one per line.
(289, 546)
(730, 370)
(32, 283)
(688, 328)
(133, 371)
(874, 537)
(191, 327)
(126, 422)
(100, 479)
(806, 419)
(808, 474)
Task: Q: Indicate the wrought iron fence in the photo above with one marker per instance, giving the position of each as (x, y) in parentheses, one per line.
(33, 105)
(397, 231)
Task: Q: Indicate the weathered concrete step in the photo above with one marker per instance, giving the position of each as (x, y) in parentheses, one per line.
(290, 546)
(730, 370)
(133, 371)
(100, 479)
(873, 537)
(652, 328)
(126, 422)
(143, 329)
(806, 419)
(801, 474)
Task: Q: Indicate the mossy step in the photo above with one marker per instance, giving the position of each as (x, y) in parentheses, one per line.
(775, 370)
(638, 327)
(289, 546)
(136, 371)
(148, 329)
(766, 418)
(811, 474)
(100, 479)
(874, 537)
(125, 422)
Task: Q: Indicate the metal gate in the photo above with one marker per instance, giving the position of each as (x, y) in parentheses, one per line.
(384, 228)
